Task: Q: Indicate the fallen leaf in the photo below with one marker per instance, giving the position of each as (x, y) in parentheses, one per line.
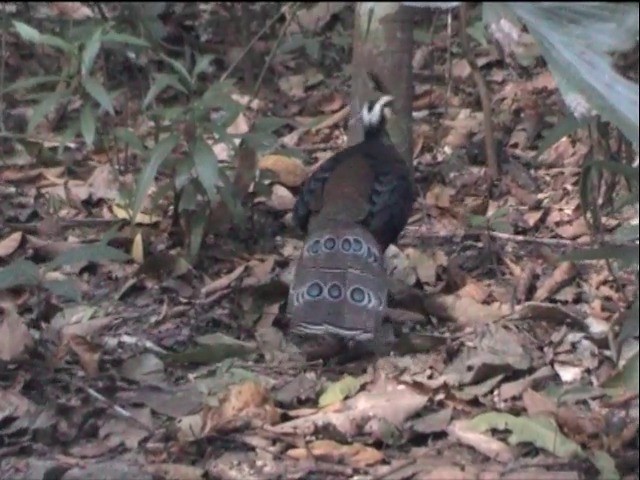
(288, 170)
(15, 338)
(561, 276)
(10, 244)
(356, 455)
(281, 198)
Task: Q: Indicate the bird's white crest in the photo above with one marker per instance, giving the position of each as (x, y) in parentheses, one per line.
(371, 118)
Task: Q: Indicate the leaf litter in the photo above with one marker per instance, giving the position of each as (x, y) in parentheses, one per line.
(179, 369)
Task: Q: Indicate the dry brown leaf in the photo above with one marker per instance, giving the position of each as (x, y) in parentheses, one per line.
(243, 404)
(313, 19)
(246, 164)
(485, 444)
(533, 217)
(451, 472)
(88, 353)
(356, 455)
(573, 230)
(15, 338)
(71, 10)
(175, 471)
(460, 69)
(331, 102)
(103, 183)
(537, 403)
(439, 196)
(224, 281)
(561, 276)
(475, 290)
(260, 272)
(394, 405)
(426, 266)
(288, 170)
(525, 282)
(10, 244)
(465, 310)
(281, 198)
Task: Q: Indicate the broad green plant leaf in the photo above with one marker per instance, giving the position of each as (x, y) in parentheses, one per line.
(27, 83)
(19, 273)
(124, 38)
(64, 288)
(162, 81)
(158, 155)
(338, 391)
(180, 70)
(98, 92)
(94, 252)
(88, 124)
(206, 165)
(128, 137)
(540, 431)
(30, 34)
(90, 52)
(44, 107)
(576, 39)
(628, 377)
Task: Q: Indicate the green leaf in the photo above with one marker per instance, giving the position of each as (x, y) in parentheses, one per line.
(201, 65)
(196, 233)
(477, 221)
(158, 155)
(124, 38)
(127, 136)
(30, 82)
(206, 165)
(162, 81)
(605, 465)
(630, 321)
(68, 134)
(627, 232)
(627, 254)
(338, 391)
(90, 52)
(27, 32)
(19, 273)
(179, 69)
(576, 40)
(56, 42)
(97, 91)
(499, 213)
(88, 124)
(44, 107)
(65, 288)
(269, 124)
(30, 34)
(628, 377)
(94, 252)
(629, 172)
(540, 431)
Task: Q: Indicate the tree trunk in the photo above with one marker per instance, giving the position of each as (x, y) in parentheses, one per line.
(383, 45)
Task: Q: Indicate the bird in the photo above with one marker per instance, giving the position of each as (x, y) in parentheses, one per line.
(350, 209)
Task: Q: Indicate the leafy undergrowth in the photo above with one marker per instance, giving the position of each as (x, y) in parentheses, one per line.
(151, 366)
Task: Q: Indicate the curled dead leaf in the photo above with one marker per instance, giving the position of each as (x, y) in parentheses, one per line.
(245, 404)
(281, 199)
(288, 170)
(10, 244)
(15, 338)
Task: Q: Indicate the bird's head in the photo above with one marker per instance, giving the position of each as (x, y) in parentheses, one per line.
(373, 116)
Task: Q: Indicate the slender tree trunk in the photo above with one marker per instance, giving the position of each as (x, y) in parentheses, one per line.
(383, 45)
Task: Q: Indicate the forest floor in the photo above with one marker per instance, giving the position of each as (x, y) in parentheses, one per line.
(164, 369)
